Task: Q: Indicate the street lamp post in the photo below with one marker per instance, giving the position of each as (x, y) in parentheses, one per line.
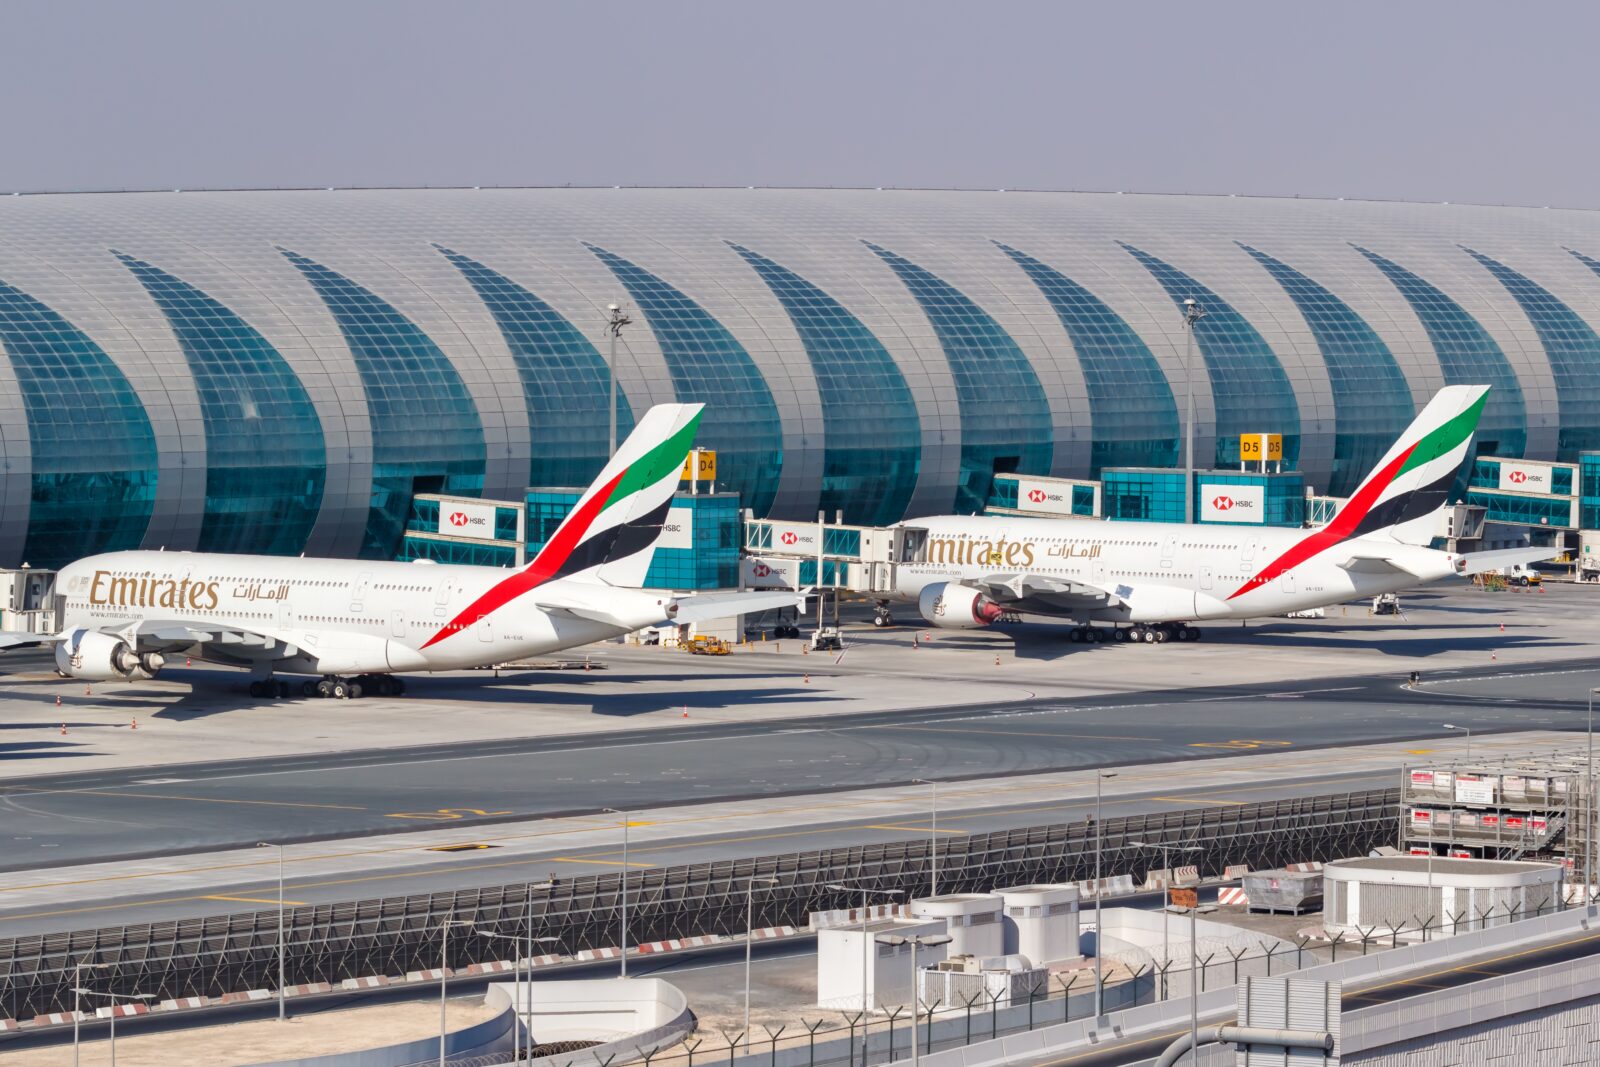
(933, 836)
(1099, 927)
(614, 326)
(1192, 313)
(1589, 806)
(1194, 975)
(282, 1011)
(444, 974)
(1466, 730)
(624, 923)
(749, 921)
(516, 980)
(916, 993)
(1166, 865)
(77, 994)
(866, 951)
(115, 998)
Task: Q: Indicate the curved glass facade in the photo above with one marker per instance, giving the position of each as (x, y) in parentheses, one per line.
(265, 458)
(1132, 413)
(426, 434)
(1249, 390)
(709, 366)
(94, 453)
(1467, 356)
(873, 436)
(1371, 400)
(1574, 353)
(565, 383)
(1005, 418)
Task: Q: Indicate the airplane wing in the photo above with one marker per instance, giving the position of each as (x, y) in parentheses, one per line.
(1478, 562)
(1044, 595)
(18, 639)
(226, 642)
(1371, 563)
(703, 607)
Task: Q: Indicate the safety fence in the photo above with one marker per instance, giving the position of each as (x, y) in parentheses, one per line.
(374, 942)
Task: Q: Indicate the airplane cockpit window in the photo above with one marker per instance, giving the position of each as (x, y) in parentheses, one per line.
(913, 545)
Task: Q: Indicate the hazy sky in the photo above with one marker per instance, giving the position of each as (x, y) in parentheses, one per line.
(1463, 101)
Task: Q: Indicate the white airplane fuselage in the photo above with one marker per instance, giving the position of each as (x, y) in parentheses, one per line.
(339, 616)
(1160, 572)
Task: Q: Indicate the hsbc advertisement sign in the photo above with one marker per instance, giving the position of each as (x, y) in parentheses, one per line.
(795, 537)
(759, 573)
(1524, 478)
(1051, 498)
(678, 529)
(466, 520)
(1233, 503)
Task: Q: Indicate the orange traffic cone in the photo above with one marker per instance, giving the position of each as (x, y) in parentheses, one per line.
(86, 691)
(808, 678)
(58, 700)
(1502, 627)
(186, 661)
(135, 724)
(63, 729)
(686, 711)
(997, 661)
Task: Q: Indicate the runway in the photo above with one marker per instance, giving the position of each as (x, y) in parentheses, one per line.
(75, 818)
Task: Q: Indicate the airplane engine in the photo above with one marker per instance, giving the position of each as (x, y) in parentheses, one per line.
(95, 657)
(953, 606)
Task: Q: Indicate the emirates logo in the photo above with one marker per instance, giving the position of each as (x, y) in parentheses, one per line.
(1222, 503)
(1036, 495)
(789, 537)
(458, 518)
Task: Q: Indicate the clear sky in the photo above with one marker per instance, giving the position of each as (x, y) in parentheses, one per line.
(1460, 101)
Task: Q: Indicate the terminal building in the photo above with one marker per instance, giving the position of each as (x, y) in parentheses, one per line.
(313, 371)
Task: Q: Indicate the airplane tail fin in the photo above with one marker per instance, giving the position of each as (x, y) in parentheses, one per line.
(610, 534)
(1412, 482)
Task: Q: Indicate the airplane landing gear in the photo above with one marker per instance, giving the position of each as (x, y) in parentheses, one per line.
(880, 614)
(336, 688)
(1089, 635)
(269, 688)
(1159, 633)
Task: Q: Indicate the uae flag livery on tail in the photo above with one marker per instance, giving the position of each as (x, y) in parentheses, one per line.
(1409, 484)
(610, 534)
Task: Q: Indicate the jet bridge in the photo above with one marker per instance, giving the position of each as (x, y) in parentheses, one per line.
(824, 555)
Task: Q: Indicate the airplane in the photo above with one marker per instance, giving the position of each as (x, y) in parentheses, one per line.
(1154, 581)
(357, 625)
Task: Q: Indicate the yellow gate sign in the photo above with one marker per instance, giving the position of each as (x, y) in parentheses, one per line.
(701, 464)
(1256, 447)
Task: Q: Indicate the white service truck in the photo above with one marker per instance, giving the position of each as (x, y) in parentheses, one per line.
(1589, 556)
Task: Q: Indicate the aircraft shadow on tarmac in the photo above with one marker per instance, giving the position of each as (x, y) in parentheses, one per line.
(218, 693)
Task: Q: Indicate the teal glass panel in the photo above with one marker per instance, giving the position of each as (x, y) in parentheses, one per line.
(709, 366)
(1006, 427)
(1249, 389)
(1573, 351)
(1132, 413)
(565, 383)
(94, 453)
(265, 460)
(872, 437)
(1467, 356)
(1371, 400)
(426, 434)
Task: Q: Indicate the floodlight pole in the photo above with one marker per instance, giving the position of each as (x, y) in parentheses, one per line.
(1192, 313)
(614, 327)
(933, 836)
(1589, 808)
(624, 817)
(1099, 927)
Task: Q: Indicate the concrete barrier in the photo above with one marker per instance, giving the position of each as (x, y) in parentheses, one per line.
(630, 1017)
(121, 1011)
(374, 981)
(182, 1003)
(248, 995)
(1231, 896)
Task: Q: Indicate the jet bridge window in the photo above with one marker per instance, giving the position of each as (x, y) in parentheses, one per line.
(913, 545)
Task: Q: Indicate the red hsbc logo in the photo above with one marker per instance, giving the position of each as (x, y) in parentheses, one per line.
(1518, 476)
(1222, 503)
(789, 537)
(761, 570)
(458, 518)
(1036, 495)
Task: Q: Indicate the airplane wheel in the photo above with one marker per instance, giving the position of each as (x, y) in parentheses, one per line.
(1163, 635)
(1194, 633)
(1119, 635)
(1075, 635)
(356, 690)
(387, 687)
(880, 621)
(339, 691)
(399, 686)
(308, 688)
(1153, 636)
(1180, 632)
(255, 689)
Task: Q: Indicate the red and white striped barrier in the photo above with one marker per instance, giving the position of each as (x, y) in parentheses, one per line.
(767, 933)
(1315, 865)
(677, 943)
(545, 960)
(121, 1011)
(492, 967)
(309, 989)
(1185, 875)
(1236, 870)
(831, 920)
(248, 995)
(375, 981)
(610, 952)
(58, 1018)
(432, 975)
(1229, 895)
(9, 1024)
(181, 1003)
(1118, 885)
